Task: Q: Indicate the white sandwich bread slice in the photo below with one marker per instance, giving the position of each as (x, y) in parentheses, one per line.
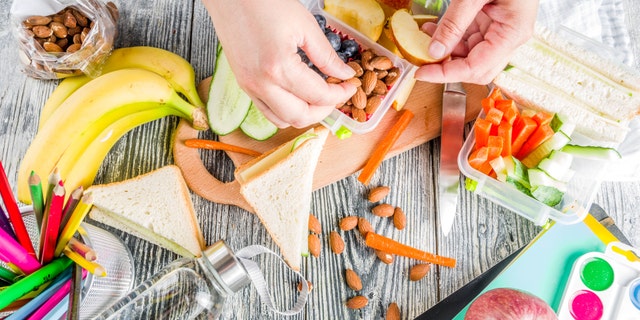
(278, 186)
(155, 206)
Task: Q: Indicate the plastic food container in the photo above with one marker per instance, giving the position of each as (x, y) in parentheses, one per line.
(91, 28)
(397, 94)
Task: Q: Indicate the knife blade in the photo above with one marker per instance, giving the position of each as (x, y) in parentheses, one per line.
(454, 106)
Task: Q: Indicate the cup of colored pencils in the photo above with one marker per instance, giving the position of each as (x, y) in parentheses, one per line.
(42, 272)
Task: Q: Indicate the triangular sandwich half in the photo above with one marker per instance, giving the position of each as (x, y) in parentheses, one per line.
(278, 186)
(155, 206)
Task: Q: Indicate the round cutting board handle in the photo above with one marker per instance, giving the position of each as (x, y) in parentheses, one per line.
(196, 174)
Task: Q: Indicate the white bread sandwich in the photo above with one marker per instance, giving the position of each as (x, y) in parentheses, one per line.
(552, 74)
(155, 206)
(278, 186)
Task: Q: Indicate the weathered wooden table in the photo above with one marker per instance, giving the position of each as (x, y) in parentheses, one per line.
(482, 235)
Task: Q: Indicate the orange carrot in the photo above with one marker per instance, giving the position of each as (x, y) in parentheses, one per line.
(509, 110)
(540, 135)
(482, 130)
(217, 145)
(487, 104)
(505, 131)
(382, 148)
(494, 116)
(496, 94)
(494, 145)
(478, 160)
(385, 244)
(542, 118)
(522, 129)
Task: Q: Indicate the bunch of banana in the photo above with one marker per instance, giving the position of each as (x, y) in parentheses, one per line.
(86, 117)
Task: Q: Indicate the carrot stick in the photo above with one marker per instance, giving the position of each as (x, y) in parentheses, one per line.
(385, 244)
(384, 146)
(217, 145)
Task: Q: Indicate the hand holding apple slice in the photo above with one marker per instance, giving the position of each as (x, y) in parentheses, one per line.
(412, 42)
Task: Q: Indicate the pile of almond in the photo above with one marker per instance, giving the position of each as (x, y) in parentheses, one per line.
(375, 74)
(64, 31)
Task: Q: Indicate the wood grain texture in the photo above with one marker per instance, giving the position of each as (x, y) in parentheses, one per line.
(482, 234)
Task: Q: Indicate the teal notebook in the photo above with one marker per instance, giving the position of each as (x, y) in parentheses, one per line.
(544, 266)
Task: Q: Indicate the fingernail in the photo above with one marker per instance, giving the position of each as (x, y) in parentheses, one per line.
(436, 50)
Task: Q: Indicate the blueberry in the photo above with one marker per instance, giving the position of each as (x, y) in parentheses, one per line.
(343, 56)
(305, 58)
(322, 21)
(349, 47)
(334, 39)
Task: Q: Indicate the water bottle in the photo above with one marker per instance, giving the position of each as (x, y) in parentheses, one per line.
(185, 289)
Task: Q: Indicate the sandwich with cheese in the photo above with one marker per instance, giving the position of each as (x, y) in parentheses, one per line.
(278, 186)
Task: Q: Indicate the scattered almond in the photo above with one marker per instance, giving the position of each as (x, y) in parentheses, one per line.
(357, 68)
(38, 20)
(384, 256)
(373, 103)
(359, 99)
(378, 193)
(393, 312)
(384, 210)
(392, 76)
(336, 242)
(359, 114)
(369, 80)
(354, 81)
(314, 224)
(364, 226)
(348, 223)
(418, 271)
(309, 285)
(380, 88)
(357, 302)
(314, 245)
(399, 218)
(366, 57)
(353, 280)
(381, 63)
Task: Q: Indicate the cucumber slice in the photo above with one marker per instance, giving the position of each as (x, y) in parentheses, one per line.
(516, 171)
(592, 152)
(301, 139)
(556, 142)
(547, 195)
(257, 126)
(557, 165)
(500, 168)
(538, 178)
(559, 123)
(228, 105)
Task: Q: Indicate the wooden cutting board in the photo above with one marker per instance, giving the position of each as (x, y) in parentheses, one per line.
(339, 158)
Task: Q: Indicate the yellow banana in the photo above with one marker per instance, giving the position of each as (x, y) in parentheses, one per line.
(171, 66)
(100, 102)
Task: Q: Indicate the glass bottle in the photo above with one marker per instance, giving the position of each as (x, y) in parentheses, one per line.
(187, 288)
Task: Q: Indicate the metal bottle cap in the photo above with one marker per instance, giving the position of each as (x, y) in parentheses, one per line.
(232, 273)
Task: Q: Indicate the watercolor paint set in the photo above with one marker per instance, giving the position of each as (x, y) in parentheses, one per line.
(603, 285)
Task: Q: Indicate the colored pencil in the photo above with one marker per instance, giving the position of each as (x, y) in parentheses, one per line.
(57, 304)
(45, 295)
(5, 224)
(53, 180)
(35, 189)
(14, 213)
(74, 295)
(51, 224)
(8, 275)
(32, 281)
(82, 249)
(17, 255)
(73, 224)
(91, 266)
(71, 205)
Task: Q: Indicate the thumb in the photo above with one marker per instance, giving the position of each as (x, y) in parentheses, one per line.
(453, 25)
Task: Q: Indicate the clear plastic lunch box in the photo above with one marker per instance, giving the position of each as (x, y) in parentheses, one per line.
(397, 94)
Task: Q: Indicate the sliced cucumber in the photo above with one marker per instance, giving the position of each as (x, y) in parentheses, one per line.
(302, 138)
(500, 168)
(228, 105)
(538, 178)
(257, 126)
(521, 187)
(558, 165)
(547, 195)
(559, 123)
(516, 171)
(592, 152)
(556, 142)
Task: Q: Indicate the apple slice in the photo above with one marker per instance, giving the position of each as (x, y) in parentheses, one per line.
(424, 18)
(412, 42)
(365, 16)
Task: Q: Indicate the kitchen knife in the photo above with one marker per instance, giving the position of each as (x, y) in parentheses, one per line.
(454, 106)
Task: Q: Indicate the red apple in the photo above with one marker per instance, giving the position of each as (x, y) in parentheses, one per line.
(509, 304)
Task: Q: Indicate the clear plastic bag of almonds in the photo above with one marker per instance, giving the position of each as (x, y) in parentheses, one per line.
(62, 38)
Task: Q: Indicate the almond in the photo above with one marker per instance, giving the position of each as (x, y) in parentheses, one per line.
(392, 76)
(359, 99)
(314, 224)
(42, 31)
(384, 256)
(365, 59)
(80, 18)
(348, 223)
(378, 193)
(369, 80)
(74, 47)
(353, 280)
(384, 210)
(69, 20)
(333, 80)
(59, 30)
(314, 245)
(381, 63)
(399, 218)
(309, 285)
(357, 68)
(358, 114)
(393, 312)
(364, 226)
(38, 20)
(336, 242)
(354, 81)
(418, 271)
(357, 302)
(51, 47)
(381, 74)
(373, 102)
(380, 88)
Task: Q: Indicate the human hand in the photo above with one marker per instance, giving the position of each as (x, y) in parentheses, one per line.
(261, 41)
(480, 36)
